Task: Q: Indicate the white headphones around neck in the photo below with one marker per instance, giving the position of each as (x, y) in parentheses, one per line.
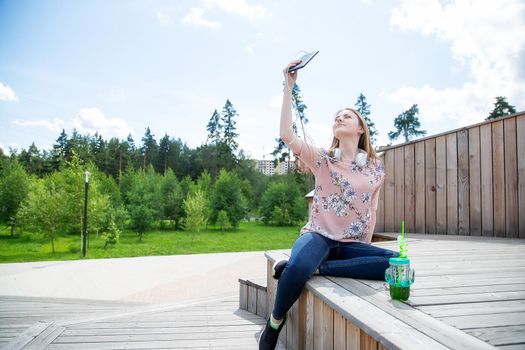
(360, 159)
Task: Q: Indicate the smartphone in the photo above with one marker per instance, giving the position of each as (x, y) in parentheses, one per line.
(304, 61)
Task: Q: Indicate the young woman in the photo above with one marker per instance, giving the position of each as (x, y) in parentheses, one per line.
(336, 239)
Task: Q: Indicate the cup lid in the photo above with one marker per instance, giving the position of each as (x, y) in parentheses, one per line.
(399, 261)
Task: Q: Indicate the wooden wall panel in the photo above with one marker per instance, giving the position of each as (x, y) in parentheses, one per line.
(474, 181)
(511, 179)
(520, 143)
(463, 184)
(452, 184)
(498, 178)
(487, 206)
(441, 185)
(389, 188)
(399, 202)
(410, 195)
(420, 186)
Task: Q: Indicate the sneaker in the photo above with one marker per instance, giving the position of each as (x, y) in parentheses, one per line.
(270, 336)
(278, 268)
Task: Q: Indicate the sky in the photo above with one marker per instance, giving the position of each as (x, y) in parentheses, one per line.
(116, 67)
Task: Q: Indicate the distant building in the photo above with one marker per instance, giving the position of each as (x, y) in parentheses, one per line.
(267, 167)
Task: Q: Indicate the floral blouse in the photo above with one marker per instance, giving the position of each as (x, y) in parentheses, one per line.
(345, 197)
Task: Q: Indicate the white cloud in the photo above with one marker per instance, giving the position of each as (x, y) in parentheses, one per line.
(7, 94)
(195, 18)
(91, 120)
(241, 8)
(485, 37)
(163, 17)
(55, 125)
(250, 47)
(87, 121)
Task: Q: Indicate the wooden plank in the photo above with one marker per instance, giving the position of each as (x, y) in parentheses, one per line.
(452, 185)
(389, 188)
(441, 185)
(302, 305)
(28, 335)
(339, 331)
(243, 296)
(487, 204)
(328, 327)
(511, 179)
(463, 184)
(464, 298)
(520, 146)
(252, 299)
(474, 149)
(380, 214)
(430, 186)
(470, 289)
(410, 196)
(318, 323)
(500, 335)
(261, 303)
(399, 195)
(310, 315)
(353, 338)
(367, 342)
(419, 148)
(494, 307)
(371, 319)
(446, 335)
(493, 320)
(498, 177)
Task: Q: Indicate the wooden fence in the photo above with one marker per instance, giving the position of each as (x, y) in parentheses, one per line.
(469, 181)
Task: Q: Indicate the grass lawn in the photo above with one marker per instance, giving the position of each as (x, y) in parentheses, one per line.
(250, 236)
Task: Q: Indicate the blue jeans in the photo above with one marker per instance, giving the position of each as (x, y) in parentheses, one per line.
(312, 251)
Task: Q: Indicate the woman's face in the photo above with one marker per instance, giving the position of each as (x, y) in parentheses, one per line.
(347, 123)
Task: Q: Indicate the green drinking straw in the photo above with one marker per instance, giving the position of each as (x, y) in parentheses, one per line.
(403, 247)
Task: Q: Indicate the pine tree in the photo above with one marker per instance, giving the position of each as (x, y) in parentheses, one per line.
(59, 150)
(364, 108)
(407, 124)
(149, 150)
(164, 150)
(214, 128)
(229, 126)
(501, 108)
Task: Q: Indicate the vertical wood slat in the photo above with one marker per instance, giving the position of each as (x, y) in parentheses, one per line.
(498, 178)
(309, 335)
(300, 338)
(520, 146)
(441, 185)
(367, 342)
(339, 331)
(420, 186)
(511, 178)
(261, 303)
(328, 327)
(389, 191)
(487, 204)
(252, 299)
(318, 323)
(452, 184)
(353, 338)
(410, 197)
(243, 296)
(430, 186)
(474, 181)
(399, 189)
(463, 183)
(380, 214)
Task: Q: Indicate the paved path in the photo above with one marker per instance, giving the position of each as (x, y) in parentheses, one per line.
(155, 279)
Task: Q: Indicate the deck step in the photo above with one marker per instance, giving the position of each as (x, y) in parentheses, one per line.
(253, 296)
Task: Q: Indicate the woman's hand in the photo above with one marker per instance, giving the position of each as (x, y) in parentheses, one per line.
(290, 78)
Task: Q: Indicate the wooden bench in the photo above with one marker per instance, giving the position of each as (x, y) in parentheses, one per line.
(344, 313)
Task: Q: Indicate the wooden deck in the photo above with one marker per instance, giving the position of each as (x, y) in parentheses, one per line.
(43, 323)
(469, 293)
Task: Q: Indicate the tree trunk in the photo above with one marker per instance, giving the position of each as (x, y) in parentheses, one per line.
(12, 230)
(53, 245)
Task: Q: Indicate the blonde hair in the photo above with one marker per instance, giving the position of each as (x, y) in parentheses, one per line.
(364, 144)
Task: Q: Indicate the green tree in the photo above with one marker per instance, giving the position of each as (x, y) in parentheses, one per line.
(407, 124)
(364, 108)
(172, 199)
(227, 196)
(282, 204)
(195, 206)
(111, 235)
(43, 211)
(214, 128)
(501, 108)
(141, 204)
(149, 150)
(223, 221)
(229, 126)
(14, 188)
